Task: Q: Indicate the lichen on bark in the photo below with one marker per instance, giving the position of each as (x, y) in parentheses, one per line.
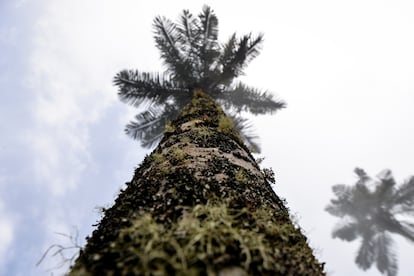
(198, 205)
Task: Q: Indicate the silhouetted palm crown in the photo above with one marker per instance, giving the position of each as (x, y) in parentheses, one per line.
(193, 59)
(371, 212)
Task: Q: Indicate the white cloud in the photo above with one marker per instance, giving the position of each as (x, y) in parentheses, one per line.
(74, 59)
(72, 66)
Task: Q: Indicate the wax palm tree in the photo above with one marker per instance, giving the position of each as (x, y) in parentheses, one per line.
(372, 210)
(193, 59)
(199, 204)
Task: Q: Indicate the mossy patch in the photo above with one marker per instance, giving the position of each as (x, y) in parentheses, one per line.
(226, 124)
(185, 139)
(208, 238)
(169, 128)
(176, 154)
(241, 176)
(158, 158)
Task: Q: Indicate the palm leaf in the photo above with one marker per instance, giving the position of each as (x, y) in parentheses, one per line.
(366, 253)
(391, 224)
(247, 49)
(252, 46)
(166, 39)
(346, 230)
(343, 204)
(335, 209)
(188, 38)
(148, 126)
(243, 126)
(226, 76)
(188, 29)
(362, 175)
(384, 191)
(208, 49)
(238, 55)
(208, 32)
(404, 196)
(209, 25)
(244, 98)
(386, 259)
(342, 191)
(408, 230)
(136, 88)
(361, 193)
(145, 122)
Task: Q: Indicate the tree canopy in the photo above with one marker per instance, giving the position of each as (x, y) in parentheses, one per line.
(194, 58)
(373, 210)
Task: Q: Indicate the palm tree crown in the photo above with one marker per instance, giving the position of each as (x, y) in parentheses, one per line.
(373, 212)
(193, 58)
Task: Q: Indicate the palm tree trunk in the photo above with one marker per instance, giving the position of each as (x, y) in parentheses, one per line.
(198, 205)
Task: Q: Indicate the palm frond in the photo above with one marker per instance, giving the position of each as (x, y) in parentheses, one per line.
(404, 195)
(209, 25)
(346, 230)
(209, 49)
(238, 55)
(386, 175)
(135, 87)
(403, 209)
(145, 122)
(391, 224)
(188, 35)
(243, 126)
(408, 230)
(244, 98)
(225, 76)
(342, 191)
(362, 175)
(228, 49)
(166, 37)
(342, 205)
(247, 49)
(252, 46)
(386, 259)
(366, 253)
(335, 209)
(361, 192)
(148, 126)
(384, 191)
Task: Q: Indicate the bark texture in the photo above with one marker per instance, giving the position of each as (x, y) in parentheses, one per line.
(198, 205)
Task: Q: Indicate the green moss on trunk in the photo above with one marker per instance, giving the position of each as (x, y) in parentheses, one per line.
(198, 205)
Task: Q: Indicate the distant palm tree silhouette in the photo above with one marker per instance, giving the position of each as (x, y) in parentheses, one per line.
(193, 59)
(373, 210)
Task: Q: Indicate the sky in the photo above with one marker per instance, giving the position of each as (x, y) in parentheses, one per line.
(345, 69)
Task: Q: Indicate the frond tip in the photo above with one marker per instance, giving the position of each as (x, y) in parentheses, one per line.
(244, 98)
(347, 231)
